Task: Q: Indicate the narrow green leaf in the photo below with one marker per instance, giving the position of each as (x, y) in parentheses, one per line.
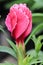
(40, 55)
(38, 44)
(37, 18)
(40, 38)
(34, 39)
(12, 44)
(1, 29)
(9, 41)
(36, 62)
(7, 50)
(37, 39)
(38, 28)
(31, 52)
(27, 60)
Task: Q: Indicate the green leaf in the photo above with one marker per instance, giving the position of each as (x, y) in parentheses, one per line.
(33, 59)
(35, 56)
(27, 60)
(37, 39)
(9, 41)
(31, 52)
(40, 38)
(40, 55)
(12, 52)
(37, 18)
(36, 62)
(38, 28)
(7, 50)
(38, 44)
(12, 44)
(1, 29)
(34, 39)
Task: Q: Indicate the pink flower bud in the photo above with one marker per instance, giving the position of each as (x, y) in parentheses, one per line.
(19, 21)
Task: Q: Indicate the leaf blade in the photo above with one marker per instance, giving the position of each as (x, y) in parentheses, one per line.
(7, 50)
(37, 18)
(11, 44)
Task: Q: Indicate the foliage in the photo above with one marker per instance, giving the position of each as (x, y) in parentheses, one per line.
(32, 56)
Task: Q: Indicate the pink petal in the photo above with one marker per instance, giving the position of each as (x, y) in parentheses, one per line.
(27, 32)
(8, 22)
(21, 26)
(13, 19)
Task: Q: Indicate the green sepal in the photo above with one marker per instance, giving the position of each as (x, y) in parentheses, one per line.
(20, 53)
